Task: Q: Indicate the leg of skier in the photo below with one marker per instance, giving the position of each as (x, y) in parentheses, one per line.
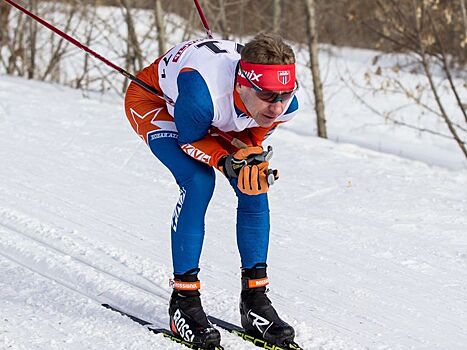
(196, 181)
(150, 119)
(258, 316)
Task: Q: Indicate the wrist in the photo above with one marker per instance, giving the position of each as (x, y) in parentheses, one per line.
(231, 166)
(221, 164)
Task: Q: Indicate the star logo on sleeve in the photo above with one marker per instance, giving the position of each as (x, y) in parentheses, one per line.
(144, 124)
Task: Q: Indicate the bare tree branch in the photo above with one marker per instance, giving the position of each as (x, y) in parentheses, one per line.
(419, 26)
(446, 66)
(62, 44)
(387, 115)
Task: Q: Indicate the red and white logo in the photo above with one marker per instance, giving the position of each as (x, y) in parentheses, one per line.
(251, 75)
(196, 153)
(283, 76)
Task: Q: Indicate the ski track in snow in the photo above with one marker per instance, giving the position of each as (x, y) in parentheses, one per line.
(368, 251)
(77, 277)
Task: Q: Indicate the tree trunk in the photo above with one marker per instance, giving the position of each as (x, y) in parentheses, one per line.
(464, 21)
(58, 51)
(133, 57)
(82, 82)
(223, 20)
(188, 28)
(160, 27)
(276, 16)
(15, 46)
(464, 16)
(4, 14)
(134, 53)
(242, 18)
(420, 12)
(314, 66)
(32, 41)
(18, 56)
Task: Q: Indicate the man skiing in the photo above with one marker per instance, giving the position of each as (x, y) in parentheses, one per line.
(213, 87)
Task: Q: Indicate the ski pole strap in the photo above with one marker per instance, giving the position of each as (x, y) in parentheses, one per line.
(249, 283)
(259, 158)
(180, 285)
(232, 166)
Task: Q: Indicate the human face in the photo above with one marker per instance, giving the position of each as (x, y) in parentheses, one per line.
(264, 106)
(268, 95)
(264, 113)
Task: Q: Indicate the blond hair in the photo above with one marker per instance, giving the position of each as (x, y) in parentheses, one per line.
(268, 49)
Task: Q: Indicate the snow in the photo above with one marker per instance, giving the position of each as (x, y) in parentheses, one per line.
(359, 103)
(368, 250)
(368, 243)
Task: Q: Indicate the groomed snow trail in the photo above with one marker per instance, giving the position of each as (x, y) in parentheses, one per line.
(368, 251)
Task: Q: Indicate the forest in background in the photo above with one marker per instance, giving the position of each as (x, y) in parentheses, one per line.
(431, 35)
(372, 24)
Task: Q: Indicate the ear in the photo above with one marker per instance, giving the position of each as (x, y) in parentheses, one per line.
(238, 87)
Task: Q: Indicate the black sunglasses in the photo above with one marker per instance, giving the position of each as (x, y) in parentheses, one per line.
(267, 95)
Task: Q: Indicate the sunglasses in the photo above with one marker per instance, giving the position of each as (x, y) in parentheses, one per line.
(270, 96)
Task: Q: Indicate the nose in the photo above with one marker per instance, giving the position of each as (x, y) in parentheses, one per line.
(277, 107)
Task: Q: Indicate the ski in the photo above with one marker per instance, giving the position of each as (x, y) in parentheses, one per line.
(259, 342)
(165, 332)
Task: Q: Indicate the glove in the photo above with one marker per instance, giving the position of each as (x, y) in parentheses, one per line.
(232, 164)
(253, 179)
(250, 166)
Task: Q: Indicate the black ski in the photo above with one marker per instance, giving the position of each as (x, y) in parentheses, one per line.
(259, 342)
(165, 332)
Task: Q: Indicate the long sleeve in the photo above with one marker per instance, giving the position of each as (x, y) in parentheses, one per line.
(194, 111)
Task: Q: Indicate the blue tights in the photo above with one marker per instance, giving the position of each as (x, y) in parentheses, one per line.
(196, 181)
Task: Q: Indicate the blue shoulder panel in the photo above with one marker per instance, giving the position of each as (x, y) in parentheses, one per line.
(194, 109)
(293, 106)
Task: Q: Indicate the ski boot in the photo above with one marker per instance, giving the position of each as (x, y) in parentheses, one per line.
(258, 316)
(187, 318)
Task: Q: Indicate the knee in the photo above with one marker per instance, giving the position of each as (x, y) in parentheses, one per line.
(202, 182)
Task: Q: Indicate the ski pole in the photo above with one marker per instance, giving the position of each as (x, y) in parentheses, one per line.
(114, 66)
(85, 48)
(203, 19)
(234, 141)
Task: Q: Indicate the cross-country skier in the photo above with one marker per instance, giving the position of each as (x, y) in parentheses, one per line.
(242, 91)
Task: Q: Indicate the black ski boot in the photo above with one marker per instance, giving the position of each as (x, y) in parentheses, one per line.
(258, 316)
(187, 318)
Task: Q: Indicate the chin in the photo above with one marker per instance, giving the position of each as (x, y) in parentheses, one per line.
(263, 120)
(266, 122)
(265, 125)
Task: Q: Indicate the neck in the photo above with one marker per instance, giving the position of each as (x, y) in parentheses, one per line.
(239, 103)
